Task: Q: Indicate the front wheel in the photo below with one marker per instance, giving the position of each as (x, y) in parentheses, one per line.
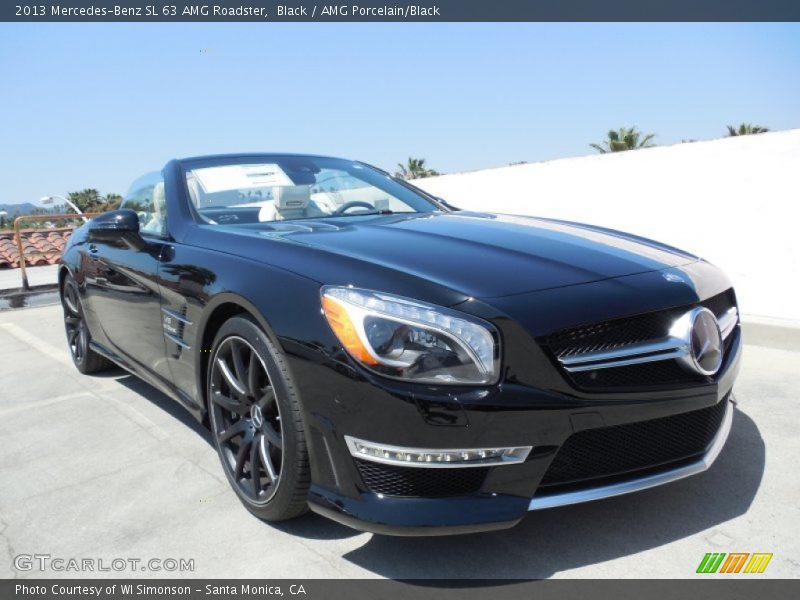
(256, 421)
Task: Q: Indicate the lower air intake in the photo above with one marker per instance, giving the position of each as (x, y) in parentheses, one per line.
(422, 482)
(587, 457)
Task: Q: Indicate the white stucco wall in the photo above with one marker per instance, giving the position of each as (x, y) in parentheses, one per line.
(734, 201)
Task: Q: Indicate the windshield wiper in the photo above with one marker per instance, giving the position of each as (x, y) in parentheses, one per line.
(383, 211)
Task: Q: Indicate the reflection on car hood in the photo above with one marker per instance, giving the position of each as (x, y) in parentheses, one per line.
(484, 255)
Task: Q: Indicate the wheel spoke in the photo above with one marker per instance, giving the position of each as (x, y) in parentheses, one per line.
(71, 300)
(266, 459)
(230, 404)
(232, 381)
(81, 344)
(267, 398)
(255, 478)
(235, 429)
(273, 437)
(241, 457)
(77, 336)
(238, 366)
(252, 375)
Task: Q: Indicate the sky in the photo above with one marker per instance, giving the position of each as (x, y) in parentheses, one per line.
(97, 105)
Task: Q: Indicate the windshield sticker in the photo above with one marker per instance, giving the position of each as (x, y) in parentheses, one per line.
(241, 177)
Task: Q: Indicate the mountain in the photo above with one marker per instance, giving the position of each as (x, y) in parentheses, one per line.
(24, 208)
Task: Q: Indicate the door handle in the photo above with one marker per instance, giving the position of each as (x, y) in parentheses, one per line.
(93, 252)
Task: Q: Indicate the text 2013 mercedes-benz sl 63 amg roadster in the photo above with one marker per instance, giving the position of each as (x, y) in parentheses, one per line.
(364, 349)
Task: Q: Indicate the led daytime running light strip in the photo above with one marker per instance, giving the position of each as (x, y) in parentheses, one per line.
(435, 458)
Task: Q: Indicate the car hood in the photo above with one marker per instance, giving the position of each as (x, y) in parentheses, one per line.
(484, 255)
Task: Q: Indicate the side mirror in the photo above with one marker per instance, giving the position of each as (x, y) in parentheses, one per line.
(121, 224)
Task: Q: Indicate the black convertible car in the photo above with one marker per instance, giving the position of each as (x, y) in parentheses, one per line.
(364, 349)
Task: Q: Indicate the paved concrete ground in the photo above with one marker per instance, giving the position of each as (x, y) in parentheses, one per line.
(106, 467)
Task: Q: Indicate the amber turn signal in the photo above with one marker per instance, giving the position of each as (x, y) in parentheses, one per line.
(344, 329)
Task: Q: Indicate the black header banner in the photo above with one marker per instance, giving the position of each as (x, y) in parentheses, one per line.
(399, 10)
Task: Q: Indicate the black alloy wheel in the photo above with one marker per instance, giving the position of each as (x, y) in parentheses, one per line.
(256, 423)
(247, 420)
(78, 337)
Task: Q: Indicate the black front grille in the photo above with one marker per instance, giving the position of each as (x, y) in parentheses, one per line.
(661, 373)
(610, 452)
(418, 481)
(623, 332)
(612, 334)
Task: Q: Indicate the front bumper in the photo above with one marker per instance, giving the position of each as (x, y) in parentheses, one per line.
(648, 481)
(513, 416)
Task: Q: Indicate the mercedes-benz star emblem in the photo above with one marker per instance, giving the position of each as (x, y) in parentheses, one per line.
(256, 417)
(701, 335)
(673, 277)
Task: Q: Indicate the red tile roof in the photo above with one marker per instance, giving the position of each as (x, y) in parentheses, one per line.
(41, 247)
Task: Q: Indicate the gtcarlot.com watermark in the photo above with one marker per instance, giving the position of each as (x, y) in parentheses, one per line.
(62, 564)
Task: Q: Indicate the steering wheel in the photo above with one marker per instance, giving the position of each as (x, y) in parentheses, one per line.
(353, 204)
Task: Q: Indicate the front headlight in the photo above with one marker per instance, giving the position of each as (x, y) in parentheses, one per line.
(406, 339)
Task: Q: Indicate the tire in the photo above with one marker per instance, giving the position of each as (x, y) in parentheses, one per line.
(256, 421)
(78, 337)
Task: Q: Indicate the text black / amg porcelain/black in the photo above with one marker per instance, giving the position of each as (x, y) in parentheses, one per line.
(361, 348)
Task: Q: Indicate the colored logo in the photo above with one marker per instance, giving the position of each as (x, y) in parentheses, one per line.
(735, 562)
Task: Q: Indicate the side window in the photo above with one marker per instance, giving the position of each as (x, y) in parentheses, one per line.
(146, 196)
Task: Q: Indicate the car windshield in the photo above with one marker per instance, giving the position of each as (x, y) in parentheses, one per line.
(285, 188)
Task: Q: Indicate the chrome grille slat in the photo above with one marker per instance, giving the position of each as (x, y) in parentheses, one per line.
(667, 348)
(728, 321)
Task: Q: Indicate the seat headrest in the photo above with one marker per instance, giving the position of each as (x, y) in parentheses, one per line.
(159, 198)
(291, 197)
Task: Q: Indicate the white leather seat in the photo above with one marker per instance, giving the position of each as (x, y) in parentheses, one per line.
(289, 202)
(157, 223)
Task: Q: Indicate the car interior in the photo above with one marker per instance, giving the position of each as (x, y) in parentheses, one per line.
(296, 196)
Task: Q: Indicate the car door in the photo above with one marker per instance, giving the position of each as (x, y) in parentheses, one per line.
(122, 283)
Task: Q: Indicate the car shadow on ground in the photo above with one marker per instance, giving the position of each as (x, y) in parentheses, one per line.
(310, 526)
(165, 403)
(549, 541)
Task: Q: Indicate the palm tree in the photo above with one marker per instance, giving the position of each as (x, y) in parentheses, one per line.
(625, 138)
(112, 201)
(745, 129)
(87, 200)
(414, 169)
(91, 200)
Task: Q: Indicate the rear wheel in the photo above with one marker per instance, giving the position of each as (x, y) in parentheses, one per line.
(78, 337)
(256, 422)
